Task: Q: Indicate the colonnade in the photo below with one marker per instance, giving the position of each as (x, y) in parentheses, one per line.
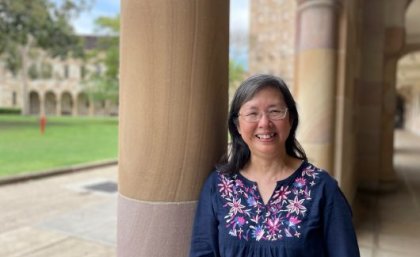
(173, 105)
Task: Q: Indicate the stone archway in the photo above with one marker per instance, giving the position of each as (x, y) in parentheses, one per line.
(408, 88)
(34, 103)
(66, 104)
(83, 104)
(50, 103)
(99, 107)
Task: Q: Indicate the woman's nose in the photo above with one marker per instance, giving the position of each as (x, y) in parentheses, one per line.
(264, 120)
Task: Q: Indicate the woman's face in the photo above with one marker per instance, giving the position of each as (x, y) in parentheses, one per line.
(265, 137)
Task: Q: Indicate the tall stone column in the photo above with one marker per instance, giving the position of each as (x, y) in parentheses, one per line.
(394, 44)
(58, 104)
(368, 96)
(173, 109)
(42, 104)
(74, 111)
(316, 66)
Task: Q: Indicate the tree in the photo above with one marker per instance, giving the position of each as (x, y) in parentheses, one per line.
(236, 75)
(105, 86)
(43, 24)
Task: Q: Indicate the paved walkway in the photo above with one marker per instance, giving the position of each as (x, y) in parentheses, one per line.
(75, 214)
(391, 224)
(67, 215)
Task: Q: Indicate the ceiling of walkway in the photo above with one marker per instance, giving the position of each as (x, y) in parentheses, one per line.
(412, 22)
(408, 74)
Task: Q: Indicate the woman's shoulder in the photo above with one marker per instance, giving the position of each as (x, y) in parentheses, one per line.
(215, 176)
(322, 176)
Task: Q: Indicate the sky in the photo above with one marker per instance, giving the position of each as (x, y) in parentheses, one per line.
(239, 15)
(239, 22)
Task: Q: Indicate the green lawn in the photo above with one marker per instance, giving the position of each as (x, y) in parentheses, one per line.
(66, 141)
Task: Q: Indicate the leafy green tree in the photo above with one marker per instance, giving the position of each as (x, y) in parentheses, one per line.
(105, 86)
(43, 24)
(236, 72)
(236, 75)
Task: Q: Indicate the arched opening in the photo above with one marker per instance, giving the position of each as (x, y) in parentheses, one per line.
(50, 103)
(82, 104)
(100, 107)
(34, 103)
(66, 104)
(408, 90)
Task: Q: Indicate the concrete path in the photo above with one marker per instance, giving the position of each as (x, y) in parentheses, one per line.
(390, 226)
(66, 215)
(75, 214)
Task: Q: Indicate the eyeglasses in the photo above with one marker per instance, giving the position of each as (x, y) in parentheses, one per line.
(272, 115)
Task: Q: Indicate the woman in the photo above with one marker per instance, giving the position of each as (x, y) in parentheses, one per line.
(266, 199)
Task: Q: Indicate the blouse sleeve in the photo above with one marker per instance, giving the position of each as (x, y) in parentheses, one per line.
(340, 236)
(204, 241)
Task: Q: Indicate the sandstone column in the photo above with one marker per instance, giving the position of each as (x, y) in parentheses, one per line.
(173, 108)
(368, 95)
(74, 111)
(58, 104)
(42, 103)
(394, 44)
(316, 64)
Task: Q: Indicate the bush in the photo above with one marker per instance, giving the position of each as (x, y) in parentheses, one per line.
(9, 111)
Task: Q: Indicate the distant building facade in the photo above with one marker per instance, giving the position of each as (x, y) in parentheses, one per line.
(272, 38)
(55, 86)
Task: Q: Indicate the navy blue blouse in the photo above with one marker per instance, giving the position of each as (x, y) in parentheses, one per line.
(307, 216)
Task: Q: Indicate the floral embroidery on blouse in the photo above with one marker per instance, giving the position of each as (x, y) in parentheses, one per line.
(249, 218)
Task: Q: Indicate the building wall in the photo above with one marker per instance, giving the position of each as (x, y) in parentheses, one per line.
(66, 77)
(272, 38)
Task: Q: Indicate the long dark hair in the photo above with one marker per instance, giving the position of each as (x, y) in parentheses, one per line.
(239, 154)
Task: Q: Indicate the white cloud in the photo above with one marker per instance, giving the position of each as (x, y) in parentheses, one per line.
(239, 15)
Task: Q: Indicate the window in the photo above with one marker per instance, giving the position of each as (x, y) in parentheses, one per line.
(46, 70)
(14, 102)
(66, 71)
(82, 71)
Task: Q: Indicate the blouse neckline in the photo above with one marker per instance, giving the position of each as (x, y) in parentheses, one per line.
(282, 181)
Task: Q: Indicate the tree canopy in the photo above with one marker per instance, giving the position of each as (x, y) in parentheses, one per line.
(105, 86)
(41, 24)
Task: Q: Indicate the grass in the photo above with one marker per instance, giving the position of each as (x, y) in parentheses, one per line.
(67, 141)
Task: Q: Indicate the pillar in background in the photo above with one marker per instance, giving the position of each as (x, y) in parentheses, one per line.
(91, 111)
(58, 104)
(394, 44)
(369, 92)
(42, 103)
(173, 109)
(315, 75)
(74, 111)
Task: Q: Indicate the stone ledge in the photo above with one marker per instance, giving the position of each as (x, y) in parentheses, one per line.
(53, 172)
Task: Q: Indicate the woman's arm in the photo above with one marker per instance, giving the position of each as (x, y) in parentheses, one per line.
(339, 233)
(204, 241)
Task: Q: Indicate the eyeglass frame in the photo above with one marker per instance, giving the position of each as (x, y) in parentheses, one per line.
(260, 114)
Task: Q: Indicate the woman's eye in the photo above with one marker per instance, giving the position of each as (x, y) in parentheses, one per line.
(252, 114)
